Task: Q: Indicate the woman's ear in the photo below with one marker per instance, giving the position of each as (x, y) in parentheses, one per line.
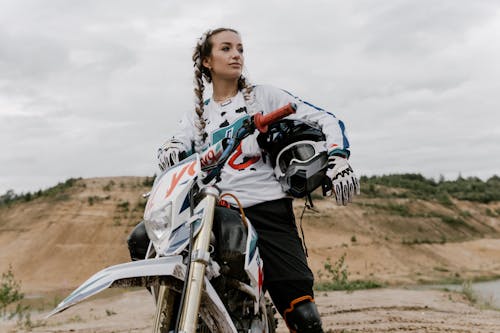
(207, 63)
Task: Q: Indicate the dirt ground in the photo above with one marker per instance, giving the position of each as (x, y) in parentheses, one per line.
(380, 310)
(58, 244)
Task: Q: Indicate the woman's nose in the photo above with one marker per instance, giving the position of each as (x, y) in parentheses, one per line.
(236, 54)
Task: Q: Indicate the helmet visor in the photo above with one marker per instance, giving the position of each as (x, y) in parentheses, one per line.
(301, 151)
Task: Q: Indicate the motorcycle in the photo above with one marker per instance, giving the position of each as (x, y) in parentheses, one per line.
(191, 291)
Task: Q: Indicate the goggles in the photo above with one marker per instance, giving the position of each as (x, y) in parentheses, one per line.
(299, 152)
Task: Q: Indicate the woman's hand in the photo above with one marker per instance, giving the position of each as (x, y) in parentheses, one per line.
(170, 153)
(345, 184)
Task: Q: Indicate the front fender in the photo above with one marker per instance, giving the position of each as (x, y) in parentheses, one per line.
(133, 273)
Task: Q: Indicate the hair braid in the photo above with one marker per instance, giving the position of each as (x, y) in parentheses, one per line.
(199, 88)
(248, 94)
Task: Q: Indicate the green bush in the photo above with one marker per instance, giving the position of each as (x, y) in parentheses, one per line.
(109, 185)
(11, 296)
(148, 182)
(123, 206)
(338, 278)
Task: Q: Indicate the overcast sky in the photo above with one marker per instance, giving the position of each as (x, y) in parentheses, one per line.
(92, 88)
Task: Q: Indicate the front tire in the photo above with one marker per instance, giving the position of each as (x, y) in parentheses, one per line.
(164, 315)
(272, 322)
(167, 305)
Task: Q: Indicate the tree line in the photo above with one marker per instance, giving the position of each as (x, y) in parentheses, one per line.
(417, 186)
(413, 185)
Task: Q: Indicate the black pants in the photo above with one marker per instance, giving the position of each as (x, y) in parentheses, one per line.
(286, 273)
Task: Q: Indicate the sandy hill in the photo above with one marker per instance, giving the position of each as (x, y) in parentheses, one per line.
(56, 239)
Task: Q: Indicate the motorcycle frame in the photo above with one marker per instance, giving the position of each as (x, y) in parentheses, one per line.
(145, 272)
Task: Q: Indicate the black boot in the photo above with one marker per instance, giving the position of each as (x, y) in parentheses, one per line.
(303, 317)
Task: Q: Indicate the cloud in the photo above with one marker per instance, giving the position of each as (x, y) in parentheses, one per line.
(92, 88)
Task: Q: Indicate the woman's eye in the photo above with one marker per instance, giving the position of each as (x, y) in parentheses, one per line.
(225, 48)
(240, 50)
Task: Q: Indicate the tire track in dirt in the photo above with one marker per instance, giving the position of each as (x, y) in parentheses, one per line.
(436, 312)
(370, 311)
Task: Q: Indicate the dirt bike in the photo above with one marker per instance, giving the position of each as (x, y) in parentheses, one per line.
(192, 292)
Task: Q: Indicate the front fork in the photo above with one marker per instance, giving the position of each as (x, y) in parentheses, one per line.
(199, 260)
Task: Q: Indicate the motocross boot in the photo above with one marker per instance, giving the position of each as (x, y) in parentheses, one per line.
(303, 316)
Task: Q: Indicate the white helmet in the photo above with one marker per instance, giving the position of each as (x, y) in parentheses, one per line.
(297, 150)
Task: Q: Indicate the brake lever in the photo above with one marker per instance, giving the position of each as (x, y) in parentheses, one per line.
(327, 185)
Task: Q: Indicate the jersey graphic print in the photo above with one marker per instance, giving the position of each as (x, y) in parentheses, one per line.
(237, 160)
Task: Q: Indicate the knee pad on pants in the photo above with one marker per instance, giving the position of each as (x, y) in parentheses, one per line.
(303, 316)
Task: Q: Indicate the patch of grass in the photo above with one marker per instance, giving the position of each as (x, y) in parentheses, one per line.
(338, 278)
(110, 312)
(75, 319)
(441, 269)
(109, 186)
(123, 206)
(351, 286)
(392, 208)
(10, 293)
(468, 292)
(117, 221)
(149, 181)
(417, 241)
(140, 205)
(490, 213)
(398, 209)
(453, 221)
(96, 199)
(465, 213)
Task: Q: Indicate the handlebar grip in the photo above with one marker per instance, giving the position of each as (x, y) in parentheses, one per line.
(263, 121)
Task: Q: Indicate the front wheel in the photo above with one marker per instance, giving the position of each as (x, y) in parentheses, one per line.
(272, 322)
(167, 306)
(164, 320)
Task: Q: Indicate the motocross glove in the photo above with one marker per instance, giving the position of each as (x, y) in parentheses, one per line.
(249, 146)
(344, 183)
(170, 153)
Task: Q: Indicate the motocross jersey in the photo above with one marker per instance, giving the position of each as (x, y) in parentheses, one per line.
(251, 177)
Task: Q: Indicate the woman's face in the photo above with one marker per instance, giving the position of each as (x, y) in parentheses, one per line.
(226, 59)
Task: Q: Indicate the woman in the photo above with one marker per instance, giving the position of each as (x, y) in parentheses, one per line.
(218, 59)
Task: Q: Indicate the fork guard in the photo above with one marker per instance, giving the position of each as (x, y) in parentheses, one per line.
(131, 274)
(147, 273)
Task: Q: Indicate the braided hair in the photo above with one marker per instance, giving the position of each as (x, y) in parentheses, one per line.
(203, 50)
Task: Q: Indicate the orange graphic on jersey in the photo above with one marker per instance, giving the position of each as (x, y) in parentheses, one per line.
(242, 165)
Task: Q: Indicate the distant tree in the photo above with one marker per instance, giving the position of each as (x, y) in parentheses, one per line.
(8, 197)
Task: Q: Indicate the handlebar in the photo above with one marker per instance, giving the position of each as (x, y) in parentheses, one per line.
(259, 122)
(263, 121)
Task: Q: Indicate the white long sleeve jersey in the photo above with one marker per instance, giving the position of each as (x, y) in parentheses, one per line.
(251, 179)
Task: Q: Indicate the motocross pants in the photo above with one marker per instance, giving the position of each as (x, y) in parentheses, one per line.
(286, 273)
